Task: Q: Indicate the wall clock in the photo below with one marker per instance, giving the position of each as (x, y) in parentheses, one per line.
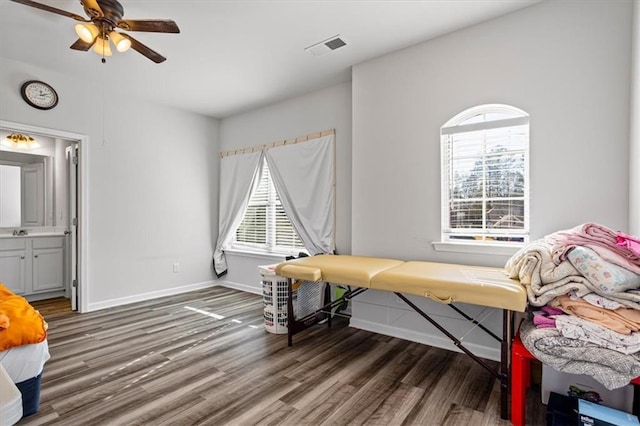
(39, 94)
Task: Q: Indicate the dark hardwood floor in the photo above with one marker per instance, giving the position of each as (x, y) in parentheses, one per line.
(49, 307)
(205, 358)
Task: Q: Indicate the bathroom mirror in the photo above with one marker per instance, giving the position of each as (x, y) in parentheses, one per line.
(32, 181)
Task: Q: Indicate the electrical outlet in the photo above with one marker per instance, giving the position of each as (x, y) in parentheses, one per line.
(176, 268)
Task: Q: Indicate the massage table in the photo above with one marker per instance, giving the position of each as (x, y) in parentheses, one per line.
(441, 282)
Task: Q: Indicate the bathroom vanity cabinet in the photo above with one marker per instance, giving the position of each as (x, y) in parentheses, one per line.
(33, 265)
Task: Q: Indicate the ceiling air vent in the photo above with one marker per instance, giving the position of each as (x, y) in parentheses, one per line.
(326, 46)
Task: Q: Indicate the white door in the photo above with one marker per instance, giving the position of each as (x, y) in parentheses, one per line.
(72, 162)
(33, 195)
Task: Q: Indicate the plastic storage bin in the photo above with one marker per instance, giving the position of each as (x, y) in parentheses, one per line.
(562, 383)
(307, 298)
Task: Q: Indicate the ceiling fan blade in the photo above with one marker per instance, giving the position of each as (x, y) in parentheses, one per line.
(149, 25)
(146, 51)
(92, 8)
(82, 45)
(52, 10)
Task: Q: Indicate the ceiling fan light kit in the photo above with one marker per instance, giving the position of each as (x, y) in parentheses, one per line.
(87, 32)
(101, 47)
(104, 17)
(121, 43)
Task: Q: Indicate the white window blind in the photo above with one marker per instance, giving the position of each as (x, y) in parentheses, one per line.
(265, 225)
(485, 188)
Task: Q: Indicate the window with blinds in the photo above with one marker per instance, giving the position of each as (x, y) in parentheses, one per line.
(265, 225)
(485, 182)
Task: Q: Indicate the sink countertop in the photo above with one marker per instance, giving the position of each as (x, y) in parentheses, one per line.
(35, 234)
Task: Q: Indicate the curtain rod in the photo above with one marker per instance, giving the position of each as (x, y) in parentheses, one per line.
(276, 144)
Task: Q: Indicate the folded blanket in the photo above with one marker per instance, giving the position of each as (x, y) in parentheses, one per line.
(623, 320)
(25, 325)
(543, 279)
(594, 236)
(611, 368)
(601, 301)
(632, 243)
(541, 320)
(577, 328)
(629, 298)
(606, 255)
(606, 277)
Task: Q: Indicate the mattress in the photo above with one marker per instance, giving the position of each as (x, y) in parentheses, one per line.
(23, 365)
(25, 362)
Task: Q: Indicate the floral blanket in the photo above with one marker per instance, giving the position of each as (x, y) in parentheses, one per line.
(611, 368)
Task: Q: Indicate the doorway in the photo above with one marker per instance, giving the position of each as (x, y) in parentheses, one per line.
(65, 209)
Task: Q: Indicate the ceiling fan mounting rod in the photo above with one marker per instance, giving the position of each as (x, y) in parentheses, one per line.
(109, 16)
(105, 27)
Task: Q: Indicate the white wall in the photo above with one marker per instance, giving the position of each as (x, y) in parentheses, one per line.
(152, 184)
(565, 63)
(634, 152)
(324, 109)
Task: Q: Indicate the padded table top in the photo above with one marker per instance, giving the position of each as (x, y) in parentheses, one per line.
(450, 283)
(338, 269)
(442, 282)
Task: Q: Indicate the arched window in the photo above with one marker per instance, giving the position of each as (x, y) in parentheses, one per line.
(485, 175)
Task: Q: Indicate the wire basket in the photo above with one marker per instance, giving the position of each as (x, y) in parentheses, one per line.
(307, 298)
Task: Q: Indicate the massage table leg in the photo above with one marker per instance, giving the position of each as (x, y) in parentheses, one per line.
(503, 374)
(327, 300)
(297, 325)
(290, 318)
(444, 331)
(476, 323)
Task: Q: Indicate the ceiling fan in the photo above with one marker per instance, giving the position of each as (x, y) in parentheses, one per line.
(105, 16)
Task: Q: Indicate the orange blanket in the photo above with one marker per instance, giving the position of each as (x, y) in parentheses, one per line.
(622, 320)
(20, 323)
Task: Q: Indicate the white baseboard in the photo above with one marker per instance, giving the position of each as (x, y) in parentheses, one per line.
(426, 339)
(151, 295)
(239, 286)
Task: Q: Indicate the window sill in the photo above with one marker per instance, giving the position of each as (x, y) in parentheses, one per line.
(280, 257)
(492, 249)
